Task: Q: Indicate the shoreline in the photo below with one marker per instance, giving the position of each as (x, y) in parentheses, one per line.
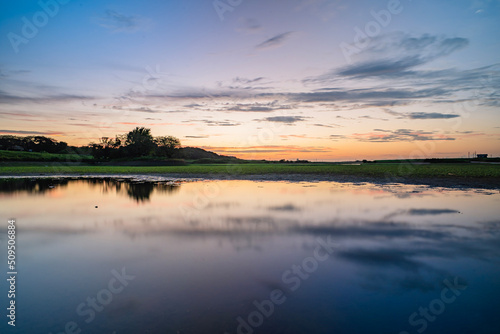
(448, 182)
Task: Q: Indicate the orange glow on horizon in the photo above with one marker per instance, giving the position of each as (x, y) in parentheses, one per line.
(371, 145)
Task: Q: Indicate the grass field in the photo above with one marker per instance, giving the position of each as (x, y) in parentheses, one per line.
(372, 170)
(15, 163)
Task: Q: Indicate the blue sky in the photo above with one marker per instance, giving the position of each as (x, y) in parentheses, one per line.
(258, 79)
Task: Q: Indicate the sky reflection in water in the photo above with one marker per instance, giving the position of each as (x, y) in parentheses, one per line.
(203, 252)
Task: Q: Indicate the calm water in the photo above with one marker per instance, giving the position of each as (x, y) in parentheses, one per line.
(105, 256)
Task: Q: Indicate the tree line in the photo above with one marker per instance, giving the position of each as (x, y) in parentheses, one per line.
(32, 144)
(136, 143)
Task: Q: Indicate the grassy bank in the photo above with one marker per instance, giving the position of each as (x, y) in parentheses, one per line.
(405, 170)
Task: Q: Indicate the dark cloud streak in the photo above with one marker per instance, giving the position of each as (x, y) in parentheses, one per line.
(275, 41)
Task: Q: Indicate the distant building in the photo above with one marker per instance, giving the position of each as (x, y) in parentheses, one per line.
(482, 155)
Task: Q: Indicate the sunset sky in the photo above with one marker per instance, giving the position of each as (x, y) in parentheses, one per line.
(282, 79)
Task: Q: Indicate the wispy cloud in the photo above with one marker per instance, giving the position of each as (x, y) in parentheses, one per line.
(145, 109)
(399, 135)
(420, 115)
(430, 115)
(55, 98)
(327, 125)
(145, 124)
(244, 94)
(247, 81)
(9, 73)
(338, 137)
(357, 95)
(302, 136)
(242, 84)
(284, 119)
(258, 107)
(119, 22)
(208, 122)
(197, 137)
(27, 132)
(408, 52)
(249, 25)
(371, 117)
(275, 41)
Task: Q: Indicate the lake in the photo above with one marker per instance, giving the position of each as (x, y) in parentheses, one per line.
(102, 255)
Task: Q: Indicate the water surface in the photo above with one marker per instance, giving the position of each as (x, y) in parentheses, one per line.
(251, 257)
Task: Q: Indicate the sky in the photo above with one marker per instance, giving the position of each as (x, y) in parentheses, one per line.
(323, 80)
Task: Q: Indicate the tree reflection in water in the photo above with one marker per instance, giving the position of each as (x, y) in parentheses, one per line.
(139, 191)
(31, 186)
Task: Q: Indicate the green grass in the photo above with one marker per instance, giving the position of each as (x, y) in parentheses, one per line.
(38, 156)
(373, 170)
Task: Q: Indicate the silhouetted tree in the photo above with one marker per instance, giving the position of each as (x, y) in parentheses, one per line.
(139, 142)
(107, 148)
(7, 142)
(43, 144)
(33, 143)
(167, 146)
(136, 143)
